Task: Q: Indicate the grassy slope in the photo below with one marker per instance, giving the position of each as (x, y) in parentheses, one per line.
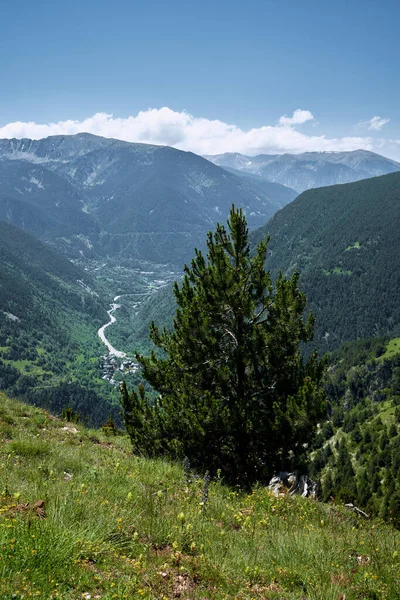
(393, 348)
(118, 526)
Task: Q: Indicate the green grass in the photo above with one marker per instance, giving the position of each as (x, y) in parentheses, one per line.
(355, 246)
(340, 271)
(29, 448)
(118, 526)
(392, 348)
(336, 271)
(386, 412)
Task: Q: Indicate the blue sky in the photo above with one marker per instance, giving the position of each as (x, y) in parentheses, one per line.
(245, 64)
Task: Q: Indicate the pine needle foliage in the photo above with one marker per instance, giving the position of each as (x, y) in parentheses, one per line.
(235, 394)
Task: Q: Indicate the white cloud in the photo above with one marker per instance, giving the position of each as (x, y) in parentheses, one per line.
(374, 124)
(299, 117)
(186, 132)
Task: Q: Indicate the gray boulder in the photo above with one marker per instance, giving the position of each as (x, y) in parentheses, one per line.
(293, 484)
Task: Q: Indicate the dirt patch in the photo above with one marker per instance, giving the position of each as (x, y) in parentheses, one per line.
(162, 550)
(98, 442)
(181, 585)
(36, 510)
(260, 591)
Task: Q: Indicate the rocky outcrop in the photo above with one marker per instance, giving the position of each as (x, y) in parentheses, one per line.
(293, 484)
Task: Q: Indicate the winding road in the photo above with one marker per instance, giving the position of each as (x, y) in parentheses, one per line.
(102, 329)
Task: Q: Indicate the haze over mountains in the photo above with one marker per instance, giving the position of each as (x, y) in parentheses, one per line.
(310, 169)
(94, 196)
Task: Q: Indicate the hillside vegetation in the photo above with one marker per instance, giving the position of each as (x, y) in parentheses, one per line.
(80, 517)
(344, 240)
(50, 313)
(357, 450)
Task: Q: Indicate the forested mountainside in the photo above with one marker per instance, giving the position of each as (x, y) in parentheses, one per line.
(32, 275)
(49, 315)
(310, 169)
(281, 193)
(356, 453)
(345, 241)
(96, 197)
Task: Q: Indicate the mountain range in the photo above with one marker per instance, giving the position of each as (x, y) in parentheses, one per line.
(310, 169)
(121, 203)
(117, 203)
(94, 196)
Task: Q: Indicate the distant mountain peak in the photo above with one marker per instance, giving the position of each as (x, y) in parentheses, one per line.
(139, 201)
(307, 170)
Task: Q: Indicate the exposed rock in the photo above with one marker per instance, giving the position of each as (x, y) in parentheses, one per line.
(293, 484)
(10, 316)
(69, 429)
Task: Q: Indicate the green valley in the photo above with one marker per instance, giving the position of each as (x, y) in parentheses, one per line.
(344, 241)
(199, 300)
(49, 350)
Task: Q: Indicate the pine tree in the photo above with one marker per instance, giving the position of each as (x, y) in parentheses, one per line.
(345, 483)
(234, 391)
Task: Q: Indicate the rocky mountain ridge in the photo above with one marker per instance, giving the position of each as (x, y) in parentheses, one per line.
(310, 169)
(95, 196)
